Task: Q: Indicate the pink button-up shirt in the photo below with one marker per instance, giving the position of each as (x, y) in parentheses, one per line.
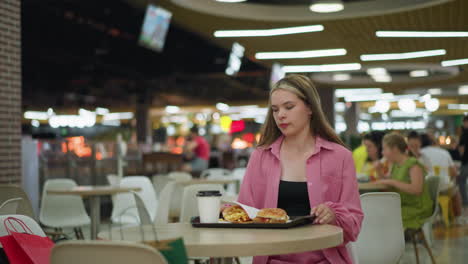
(331, 179)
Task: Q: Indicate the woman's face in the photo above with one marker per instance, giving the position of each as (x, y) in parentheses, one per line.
(291, 114)
(372, 150)
(414, 145)
(390, 152)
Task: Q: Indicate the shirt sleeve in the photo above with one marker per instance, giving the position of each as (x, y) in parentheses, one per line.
(247, 189)
(348, 209)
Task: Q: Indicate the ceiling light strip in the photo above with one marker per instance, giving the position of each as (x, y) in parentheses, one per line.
(267, 32)
(322, 68)
(402, 56)
(300, 54)
(421, 34)
(454, 62)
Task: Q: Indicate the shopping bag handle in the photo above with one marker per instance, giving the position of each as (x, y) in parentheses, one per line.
(9, 220)
(153, 227)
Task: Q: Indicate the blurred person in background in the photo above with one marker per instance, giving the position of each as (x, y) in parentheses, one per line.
(196, 152)
(407, 178)
(443, 167)
(454, 152)
(360, 158)
(463, 148)
(375, 166)
(414, 147)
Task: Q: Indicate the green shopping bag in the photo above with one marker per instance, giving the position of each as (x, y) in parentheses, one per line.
(173, 250)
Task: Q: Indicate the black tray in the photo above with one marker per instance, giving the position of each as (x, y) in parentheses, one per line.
(295, 221)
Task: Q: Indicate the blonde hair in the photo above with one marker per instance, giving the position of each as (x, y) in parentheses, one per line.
(395, 140)
(303, 87)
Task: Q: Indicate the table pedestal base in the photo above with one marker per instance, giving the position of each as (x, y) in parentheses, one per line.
(95, 215)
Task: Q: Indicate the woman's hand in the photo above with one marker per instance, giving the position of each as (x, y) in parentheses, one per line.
(388, 182)
(323, 214)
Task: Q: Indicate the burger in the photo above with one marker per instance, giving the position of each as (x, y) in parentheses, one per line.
(271, 215)
(236, 214)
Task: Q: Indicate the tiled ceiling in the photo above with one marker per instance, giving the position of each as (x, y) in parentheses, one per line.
(356, 35)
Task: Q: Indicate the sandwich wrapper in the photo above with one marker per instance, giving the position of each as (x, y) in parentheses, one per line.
(251, 211)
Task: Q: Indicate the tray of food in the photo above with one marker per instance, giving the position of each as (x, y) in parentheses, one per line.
(237, 217)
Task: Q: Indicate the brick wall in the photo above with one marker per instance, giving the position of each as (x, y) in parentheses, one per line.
(10, 91)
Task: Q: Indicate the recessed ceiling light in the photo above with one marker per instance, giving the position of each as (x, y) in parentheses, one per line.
(383, 78)
(345, 92)
(434, 91)
(463, 90)
(322, 68)
(340, 77)
(267, 32)
(419, 73)
(402, 56)
(377, 71)
(326, 6)
(454, 62)
(422, 34)
(300, 54)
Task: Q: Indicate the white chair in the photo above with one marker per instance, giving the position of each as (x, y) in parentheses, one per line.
(215, 173)
(31, 223)
(143, 214)
(239, 173)
(433, 184)
(165, 201)
(124, 209)
(179, 176)
(434, 190)
(382, 237)
(98, 252)
(159, 181)
(8, 191)
(189, 207)
(59, 211)
(10, 206)
(176, 200)
(113, 179)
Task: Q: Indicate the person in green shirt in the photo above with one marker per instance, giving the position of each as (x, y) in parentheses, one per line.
(407, 178)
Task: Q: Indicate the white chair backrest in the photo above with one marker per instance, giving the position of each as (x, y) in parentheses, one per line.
(239, 173)
(98, 252)
(382, 236)
(31, 223)
(143, 214)
(165, 201)
(179, 176)
(56, 209)
(215, 173)
(433, 185)
(122, 202)
(8, 191)
(189, 207)
(10, 206)
(113, 179)
(159, 181)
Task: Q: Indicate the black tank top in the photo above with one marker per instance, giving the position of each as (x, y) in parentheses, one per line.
(293, 197)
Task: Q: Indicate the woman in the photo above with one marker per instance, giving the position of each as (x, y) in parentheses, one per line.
(407, 178)
(302, 166)
(375, 167)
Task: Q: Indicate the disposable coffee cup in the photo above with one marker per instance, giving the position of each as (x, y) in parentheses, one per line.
(209, 204)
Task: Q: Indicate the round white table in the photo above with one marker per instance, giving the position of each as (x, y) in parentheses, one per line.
(94, 194)
(223, 244)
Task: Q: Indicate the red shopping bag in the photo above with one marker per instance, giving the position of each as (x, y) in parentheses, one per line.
(25, 247)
